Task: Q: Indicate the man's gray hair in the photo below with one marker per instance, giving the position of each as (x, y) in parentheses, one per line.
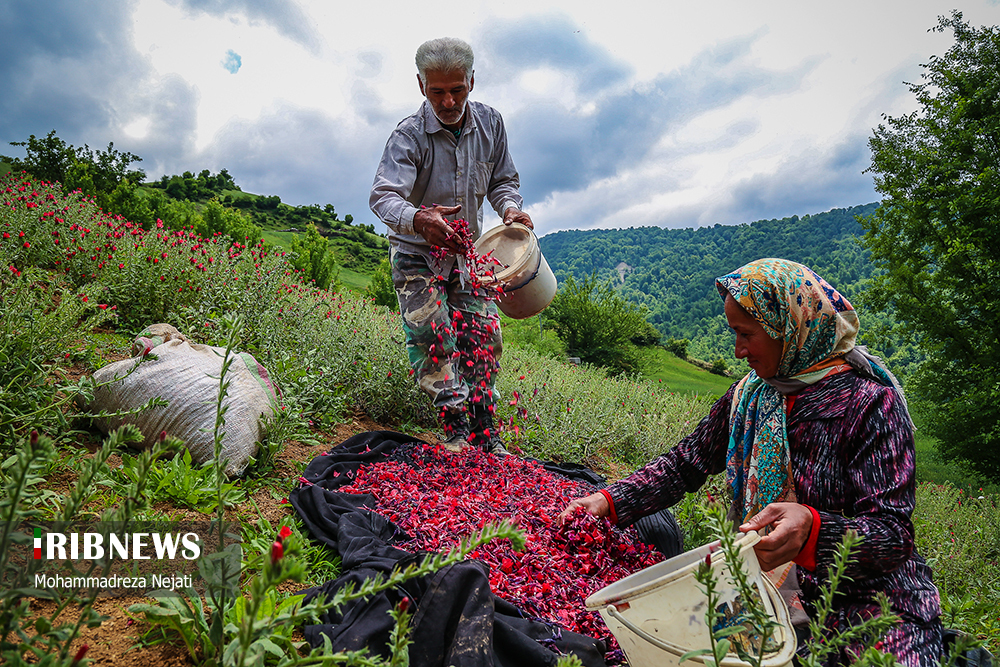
(445, 54)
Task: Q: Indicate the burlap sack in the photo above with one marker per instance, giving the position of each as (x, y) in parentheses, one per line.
(187, 375)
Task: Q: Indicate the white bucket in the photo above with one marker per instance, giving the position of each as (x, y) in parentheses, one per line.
(658, 614)
(528, 283)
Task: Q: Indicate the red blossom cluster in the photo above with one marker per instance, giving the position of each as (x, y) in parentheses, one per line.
(69, 233)
(439, 498)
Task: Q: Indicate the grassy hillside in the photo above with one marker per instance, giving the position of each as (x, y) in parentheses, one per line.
(356, 247)
(678, 375)
(337, 359)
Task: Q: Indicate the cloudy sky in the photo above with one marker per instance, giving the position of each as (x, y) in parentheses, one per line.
(619, 113)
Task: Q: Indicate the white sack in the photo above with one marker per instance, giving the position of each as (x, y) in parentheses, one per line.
(182, 374)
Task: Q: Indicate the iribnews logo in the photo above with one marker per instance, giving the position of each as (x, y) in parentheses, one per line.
(129, 546)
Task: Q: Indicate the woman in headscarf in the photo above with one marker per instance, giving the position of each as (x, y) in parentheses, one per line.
(815, 440)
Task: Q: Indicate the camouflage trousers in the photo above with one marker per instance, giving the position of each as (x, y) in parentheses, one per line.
(452, 333)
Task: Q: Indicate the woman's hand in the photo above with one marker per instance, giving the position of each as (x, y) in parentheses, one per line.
(790, 526)
(595, 503)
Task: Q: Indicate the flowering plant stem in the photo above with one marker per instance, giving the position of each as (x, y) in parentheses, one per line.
(859, 636)
(43, 637)
(226, 576)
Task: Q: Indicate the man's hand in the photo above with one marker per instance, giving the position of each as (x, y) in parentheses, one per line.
(595, 503)
(516, 215)
(790, 523)
(432, 225)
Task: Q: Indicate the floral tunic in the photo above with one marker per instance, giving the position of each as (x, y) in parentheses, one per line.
(852, 459)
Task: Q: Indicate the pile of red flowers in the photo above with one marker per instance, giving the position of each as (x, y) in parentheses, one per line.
(438, 498)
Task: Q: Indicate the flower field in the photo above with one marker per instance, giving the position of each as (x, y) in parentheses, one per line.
(76, 284)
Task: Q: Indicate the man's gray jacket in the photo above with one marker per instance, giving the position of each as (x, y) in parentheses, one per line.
(425, 165)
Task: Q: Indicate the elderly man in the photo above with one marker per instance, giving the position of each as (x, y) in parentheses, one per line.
(438, 166)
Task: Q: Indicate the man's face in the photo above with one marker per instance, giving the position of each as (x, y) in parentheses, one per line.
(447, 92)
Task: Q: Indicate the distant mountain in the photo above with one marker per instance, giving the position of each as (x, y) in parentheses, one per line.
(672, 271)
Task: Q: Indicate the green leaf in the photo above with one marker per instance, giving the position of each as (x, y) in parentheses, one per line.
(270, 647)
(695, 654)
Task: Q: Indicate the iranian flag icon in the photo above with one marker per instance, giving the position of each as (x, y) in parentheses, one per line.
(38, 543)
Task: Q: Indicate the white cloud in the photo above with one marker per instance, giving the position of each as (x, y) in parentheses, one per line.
(642, 113)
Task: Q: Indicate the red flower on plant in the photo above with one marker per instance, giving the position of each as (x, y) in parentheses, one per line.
(82, 651)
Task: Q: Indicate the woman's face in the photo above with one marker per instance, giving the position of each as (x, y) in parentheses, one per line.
(762, 352)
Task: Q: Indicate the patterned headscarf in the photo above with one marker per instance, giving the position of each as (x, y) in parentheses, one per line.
(819, 328)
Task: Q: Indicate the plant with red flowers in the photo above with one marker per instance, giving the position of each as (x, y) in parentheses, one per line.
(47, 639)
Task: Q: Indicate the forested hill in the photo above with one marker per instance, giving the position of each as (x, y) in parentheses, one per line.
(672, 271)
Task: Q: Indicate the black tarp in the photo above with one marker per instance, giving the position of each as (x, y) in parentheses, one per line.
(457, 620)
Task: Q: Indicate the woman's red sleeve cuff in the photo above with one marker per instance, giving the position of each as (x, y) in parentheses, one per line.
(807, 557)
(614, 515)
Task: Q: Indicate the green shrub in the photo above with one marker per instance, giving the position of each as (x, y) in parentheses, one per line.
(598, 324)
(381, 290)
(531, 333)
(311, 254)
(678, 346)
(719, 366)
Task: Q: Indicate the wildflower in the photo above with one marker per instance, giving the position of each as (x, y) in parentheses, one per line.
(277, 552)
(284, 532)
(82, 651)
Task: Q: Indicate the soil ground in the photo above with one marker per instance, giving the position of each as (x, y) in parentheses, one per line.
(117, 641)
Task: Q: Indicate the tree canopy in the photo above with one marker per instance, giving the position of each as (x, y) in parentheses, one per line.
(937, 238)
(671, 272)
(598, 325)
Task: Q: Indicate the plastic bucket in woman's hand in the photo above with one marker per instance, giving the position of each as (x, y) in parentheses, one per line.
(528, 283)
(658, 614)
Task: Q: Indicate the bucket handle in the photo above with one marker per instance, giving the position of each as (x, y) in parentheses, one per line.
(655, 641)
(772, 592)
(538, 267)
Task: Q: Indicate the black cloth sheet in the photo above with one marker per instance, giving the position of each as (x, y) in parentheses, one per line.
(457, 619)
